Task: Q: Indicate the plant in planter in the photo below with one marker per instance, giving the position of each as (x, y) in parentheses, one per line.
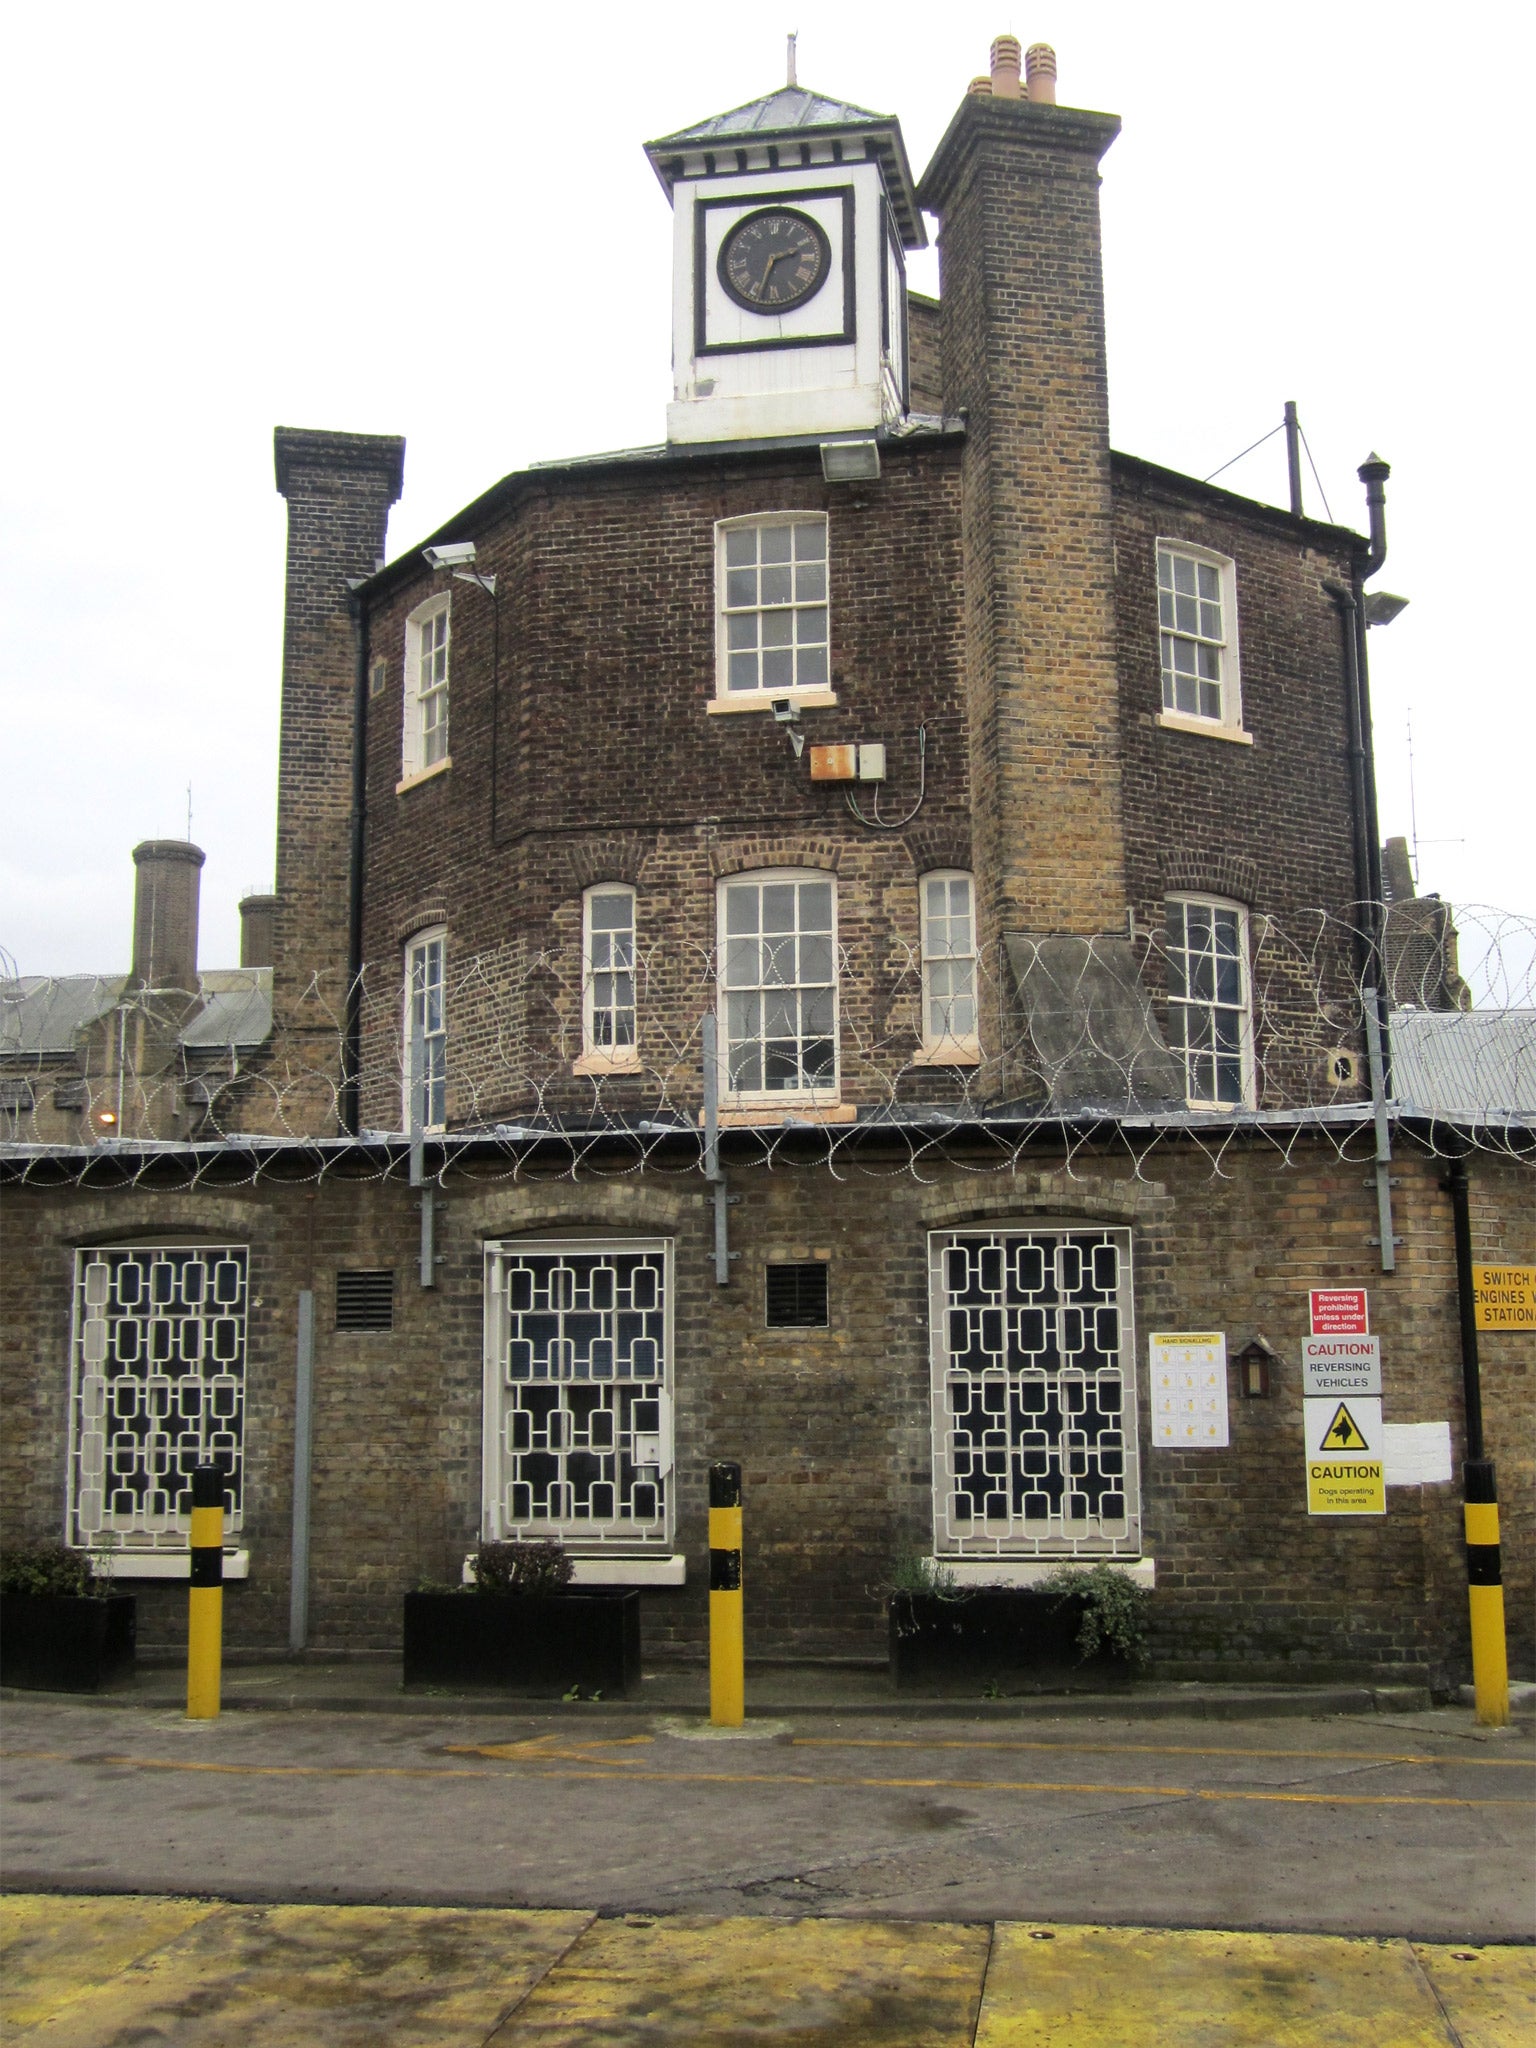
(61, 1628)
(522, 1627)
(1080, 1625)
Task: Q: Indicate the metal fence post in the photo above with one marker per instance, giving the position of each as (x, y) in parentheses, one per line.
(205, 1597)
(727, 1651)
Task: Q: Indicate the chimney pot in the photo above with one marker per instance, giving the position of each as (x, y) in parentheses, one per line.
(1005, 68)
(1040, 74)
(165, 897)
(979, 89)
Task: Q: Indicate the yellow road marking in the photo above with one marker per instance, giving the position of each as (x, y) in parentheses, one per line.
(1361, 1756)
(606, 1775)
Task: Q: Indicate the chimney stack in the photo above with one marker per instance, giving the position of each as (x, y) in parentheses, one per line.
(1005, 68)
(1040, 74)
(165, 897)
(256, 915)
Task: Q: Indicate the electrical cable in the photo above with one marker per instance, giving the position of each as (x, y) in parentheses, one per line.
(876, 822)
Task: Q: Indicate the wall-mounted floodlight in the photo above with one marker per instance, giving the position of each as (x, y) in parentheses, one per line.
(850, 462)
(1381, 607)
(450, 554)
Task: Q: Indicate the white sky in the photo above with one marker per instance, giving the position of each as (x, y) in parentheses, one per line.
(438, 222)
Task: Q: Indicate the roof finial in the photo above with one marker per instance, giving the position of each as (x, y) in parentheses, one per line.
(789, 57)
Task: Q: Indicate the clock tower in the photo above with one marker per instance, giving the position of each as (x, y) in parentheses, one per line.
(792, 216)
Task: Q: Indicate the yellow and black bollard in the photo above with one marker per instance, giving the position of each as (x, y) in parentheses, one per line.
(727, 1643)
(205, 1600)
(1485, 1592)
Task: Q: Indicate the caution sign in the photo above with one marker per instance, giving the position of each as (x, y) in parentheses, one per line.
(1346, 1470)
(1504, 1297)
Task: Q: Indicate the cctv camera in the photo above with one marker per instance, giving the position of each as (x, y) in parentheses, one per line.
(450, 554)
(785, 710)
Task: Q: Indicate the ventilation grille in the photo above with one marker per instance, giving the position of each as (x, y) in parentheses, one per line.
(365, 1301)
(797, 1297)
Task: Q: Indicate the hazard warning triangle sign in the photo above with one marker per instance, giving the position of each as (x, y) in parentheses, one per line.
(1343, 1433)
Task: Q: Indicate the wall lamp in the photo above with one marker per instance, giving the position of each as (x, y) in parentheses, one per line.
(1381, 607)
(850, 462)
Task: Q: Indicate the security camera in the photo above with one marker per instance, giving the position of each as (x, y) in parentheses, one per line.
(450, 554)
(785, 710)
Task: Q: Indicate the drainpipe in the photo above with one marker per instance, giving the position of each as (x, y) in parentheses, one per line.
(352, 1040)
(1480, 1492)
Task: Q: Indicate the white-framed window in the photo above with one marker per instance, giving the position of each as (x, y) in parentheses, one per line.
(424, 736)
(578, 1392)
(1210, 1020)
(771, 609)
(951, 1022)
(425, 1061)
(1034, 1392)
(778, 976)
(608, 974)
(157, 1389)
(1197, 633)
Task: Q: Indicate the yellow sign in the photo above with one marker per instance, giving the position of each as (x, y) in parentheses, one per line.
(1345, 1486)
(1504, 1297)
(1344, 1433)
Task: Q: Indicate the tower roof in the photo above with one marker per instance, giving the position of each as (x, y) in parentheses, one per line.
(787, 122)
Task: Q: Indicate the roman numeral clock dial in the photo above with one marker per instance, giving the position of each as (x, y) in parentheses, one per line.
(774, 259)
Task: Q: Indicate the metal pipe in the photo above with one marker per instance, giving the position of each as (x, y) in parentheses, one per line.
(352, 1039)
(303, 1427)
(1373, 473)
(713, 1171)
(1387, 1239)
(1293, 454)
(1457, 1187)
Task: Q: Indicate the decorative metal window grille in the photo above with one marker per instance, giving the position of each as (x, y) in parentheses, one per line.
(796, 1297)
(1034, 1393)
(780, 987)
(1189, 611)
(365, 1301)
(426, 1033)
(949, 962)
(158, 1389)
(610, 975)
(773, 605)
(578, 1396)
(1208, 1015)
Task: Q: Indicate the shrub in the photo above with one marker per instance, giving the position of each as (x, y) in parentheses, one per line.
(521, 1568)
(1114, 1610)
(48, 1568)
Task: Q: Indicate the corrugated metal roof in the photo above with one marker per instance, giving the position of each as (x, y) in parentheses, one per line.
(42, 1015)
(1468, 1066)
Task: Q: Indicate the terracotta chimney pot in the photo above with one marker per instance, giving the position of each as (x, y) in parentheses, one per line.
(1005, 68)
(1040, 72)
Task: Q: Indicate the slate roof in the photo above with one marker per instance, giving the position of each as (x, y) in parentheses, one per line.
(1467, 1066)
(41, 1015)
(792, 114)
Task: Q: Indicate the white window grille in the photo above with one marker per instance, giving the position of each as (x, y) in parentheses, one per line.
(425, 1060)
(1197, 621)
(779, 986)
(578, 1392)
(1034, 1393)
(608, 944)
(157, 1389)
(771, 585)
(950, 1021)
(1210, 1021)
(424, 741)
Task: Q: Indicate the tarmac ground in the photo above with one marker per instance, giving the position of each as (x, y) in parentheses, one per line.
(1076, 1873)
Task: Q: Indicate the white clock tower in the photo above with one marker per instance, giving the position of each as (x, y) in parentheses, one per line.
(789, 282)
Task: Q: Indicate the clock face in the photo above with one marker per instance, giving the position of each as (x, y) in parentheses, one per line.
(774, 259)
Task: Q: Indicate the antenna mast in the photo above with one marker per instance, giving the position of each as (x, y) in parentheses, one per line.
(789, 57)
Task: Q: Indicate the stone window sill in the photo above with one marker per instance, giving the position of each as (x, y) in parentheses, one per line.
(424, 775)
(660, 1570)
(771, 1115)
(1206, 728)
(955, 1055)
(160, 1564)
(1003, 1571)
(764, 700)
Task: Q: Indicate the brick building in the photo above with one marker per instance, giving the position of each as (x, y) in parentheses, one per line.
(806, 943)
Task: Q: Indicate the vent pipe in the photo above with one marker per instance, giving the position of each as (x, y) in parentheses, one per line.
(1040, 72)
(1005, 68)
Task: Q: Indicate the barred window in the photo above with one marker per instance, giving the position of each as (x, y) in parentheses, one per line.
(426, 1032)
(778, 942)
(608, 1020)
(1196, 610)
(949, 964)
(158, 1389)
(1209, 1019)
(771, 586)
(424, 740)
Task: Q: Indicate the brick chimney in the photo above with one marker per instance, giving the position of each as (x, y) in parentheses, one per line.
(1015, 183)
(167, 883)
(339, 489)
(256, 915)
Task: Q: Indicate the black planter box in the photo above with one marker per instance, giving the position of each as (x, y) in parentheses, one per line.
(1016, 1638)
(536, 1644)
(66, 1642)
